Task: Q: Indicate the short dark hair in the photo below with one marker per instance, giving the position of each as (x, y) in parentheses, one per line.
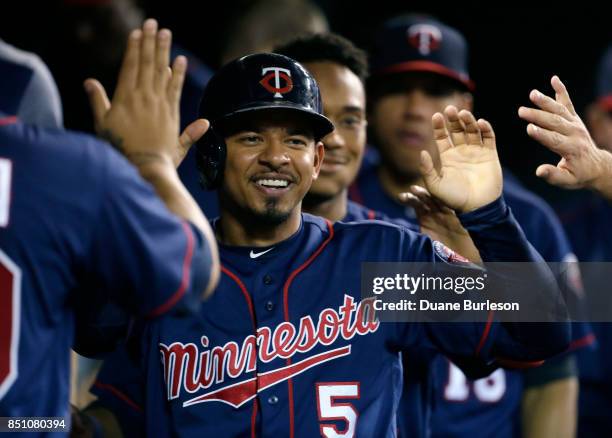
(327, 47)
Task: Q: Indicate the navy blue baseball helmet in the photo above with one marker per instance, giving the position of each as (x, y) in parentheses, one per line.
(261, 81)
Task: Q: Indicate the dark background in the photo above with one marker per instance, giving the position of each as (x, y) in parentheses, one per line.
(513, 49)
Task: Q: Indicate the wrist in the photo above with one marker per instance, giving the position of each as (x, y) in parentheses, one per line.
(603, 181)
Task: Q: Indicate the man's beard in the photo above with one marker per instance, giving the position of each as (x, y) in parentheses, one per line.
(271, 214)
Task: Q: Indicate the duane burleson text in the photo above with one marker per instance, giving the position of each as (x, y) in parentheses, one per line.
(426, 305)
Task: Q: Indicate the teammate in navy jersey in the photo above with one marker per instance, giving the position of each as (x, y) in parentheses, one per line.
(585, 162)
(412, 78)
(78, 225)
(283, 347)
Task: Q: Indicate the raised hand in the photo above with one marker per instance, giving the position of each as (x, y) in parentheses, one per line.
(440, 222)
(470, 173)
(143, 119)
(556, 125)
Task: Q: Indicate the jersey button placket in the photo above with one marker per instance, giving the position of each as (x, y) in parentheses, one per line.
(267, 279)
(269, 306)
(272, 400)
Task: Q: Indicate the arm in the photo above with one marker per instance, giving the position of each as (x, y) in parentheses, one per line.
(549, 405)
(557, 126)
(440, 222)
(470, 182)
(143, 122)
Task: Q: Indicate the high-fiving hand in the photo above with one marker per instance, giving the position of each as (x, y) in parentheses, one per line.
(143, 119)
(557, 126)
(470, 173)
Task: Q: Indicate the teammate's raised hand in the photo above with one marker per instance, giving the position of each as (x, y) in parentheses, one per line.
(470, 174)
(557, 126)
(440, 222)
(143, 118)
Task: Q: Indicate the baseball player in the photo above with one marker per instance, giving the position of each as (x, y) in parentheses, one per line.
(26, 81)
(419, 66)
(78, 224)
(585, 163)
(282, 348)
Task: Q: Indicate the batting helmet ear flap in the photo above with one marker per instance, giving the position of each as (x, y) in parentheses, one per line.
(210, 158)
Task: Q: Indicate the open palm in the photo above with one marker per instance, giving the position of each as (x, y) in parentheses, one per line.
(470, 173)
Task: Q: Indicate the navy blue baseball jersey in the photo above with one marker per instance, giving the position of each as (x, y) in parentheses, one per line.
(77, 223)
(283, 348)
(488, 406)
(587, 222)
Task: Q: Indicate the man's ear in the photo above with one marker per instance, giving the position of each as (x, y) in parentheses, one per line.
(319, 154)
(466, 101)
(593, 116)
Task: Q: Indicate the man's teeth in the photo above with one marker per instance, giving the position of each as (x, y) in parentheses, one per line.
(273, 182)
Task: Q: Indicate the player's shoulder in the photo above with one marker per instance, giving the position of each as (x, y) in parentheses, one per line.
(377, 227)
(58, 142)
(357, 212)
(524, 202)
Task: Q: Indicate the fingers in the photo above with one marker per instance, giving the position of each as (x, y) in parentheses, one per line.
(192, 133)
(162, 59)
(547, 103)
(547, 120)
(487, 134)
(472, 131)
(146, 71)
(129, 68)
(454, 126)
(175, 85)
(556, 176)
(551, 139)
(413, 201)
(562, 95)
(441, 135)
(98, 101)
(428, 171)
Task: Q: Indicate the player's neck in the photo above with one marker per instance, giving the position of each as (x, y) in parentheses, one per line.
(394, 184)
(334, 208)
(236, 230)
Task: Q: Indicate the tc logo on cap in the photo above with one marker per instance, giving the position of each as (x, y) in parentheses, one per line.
(277, 74)
(424, 37)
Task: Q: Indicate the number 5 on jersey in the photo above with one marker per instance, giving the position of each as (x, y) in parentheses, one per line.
(329, 409)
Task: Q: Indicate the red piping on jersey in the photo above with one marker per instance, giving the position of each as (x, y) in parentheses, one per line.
(286, 310)
(8, 120)
(247, 297)
(518, 364)
(120, 395)
(254, 417)
(582, 342)
(244, 291)
(355, 193)
(184, 280)
(485, 333)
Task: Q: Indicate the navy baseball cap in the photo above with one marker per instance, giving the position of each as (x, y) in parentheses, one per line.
(603, 87)
(420, 43)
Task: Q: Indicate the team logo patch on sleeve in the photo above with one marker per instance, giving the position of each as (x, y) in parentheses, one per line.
(447, 254)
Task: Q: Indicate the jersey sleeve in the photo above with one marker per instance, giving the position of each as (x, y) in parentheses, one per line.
(120, 388)
(140, 253)
(477, 345)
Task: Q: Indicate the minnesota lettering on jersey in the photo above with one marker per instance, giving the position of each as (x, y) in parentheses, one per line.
(189, 369)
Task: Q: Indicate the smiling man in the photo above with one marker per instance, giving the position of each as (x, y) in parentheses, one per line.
(274, 351)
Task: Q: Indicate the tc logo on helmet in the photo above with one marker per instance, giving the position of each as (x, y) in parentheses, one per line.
(277, 74)
(424, 37)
